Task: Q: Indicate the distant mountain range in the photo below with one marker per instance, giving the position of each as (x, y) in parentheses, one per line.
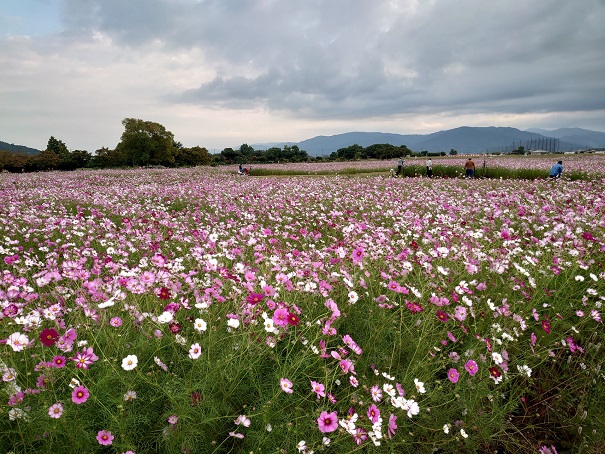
(4, 146)
(464, 139)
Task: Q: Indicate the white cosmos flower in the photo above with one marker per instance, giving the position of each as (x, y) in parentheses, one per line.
(353, 297)
(524, 370)
(130, 362)
(166, 317)
(200, 325)
(419, 386)
(195, 351)
(233, 323)
(270, 326)
(497, 357)
(17, 341)
(412, 407)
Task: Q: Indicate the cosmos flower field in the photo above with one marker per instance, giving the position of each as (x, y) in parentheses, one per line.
(198, 311)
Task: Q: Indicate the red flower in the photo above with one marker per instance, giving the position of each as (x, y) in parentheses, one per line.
(174, 328)
(49, 336)
(196, 398)
(494, 372)
(293, 319)
(442, 315)
(546, 325)
(164, 293)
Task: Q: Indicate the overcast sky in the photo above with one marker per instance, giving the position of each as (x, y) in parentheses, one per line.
(219, 73)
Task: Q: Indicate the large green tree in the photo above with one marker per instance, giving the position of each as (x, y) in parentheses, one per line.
(195, 156)
(146, 143)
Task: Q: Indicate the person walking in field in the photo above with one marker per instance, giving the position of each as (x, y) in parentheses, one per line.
(429, 168)
(399, 167)
(556, 170)
(469, 168)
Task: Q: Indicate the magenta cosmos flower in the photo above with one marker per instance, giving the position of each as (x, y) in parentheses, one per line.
(327, 422)
(373, 413)
(80, 395)
(254, 298)
(105, 437)
(453, 375)
(471, 367)
(59, 361)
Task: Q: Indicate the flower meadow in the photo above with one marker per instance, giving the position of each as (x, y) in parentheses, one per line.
(593, 164)
(197, 311)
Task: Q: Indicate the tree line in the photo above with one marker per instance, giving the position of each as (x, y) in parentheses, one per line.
(146, 143)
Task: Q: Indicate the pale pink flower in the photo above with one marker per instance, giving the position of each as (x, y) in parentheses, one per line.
(55, 411)
(286, 385)
(17, 341)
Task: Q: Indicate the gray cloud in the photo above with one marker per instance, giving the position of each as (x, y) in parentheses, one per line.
(336, 60)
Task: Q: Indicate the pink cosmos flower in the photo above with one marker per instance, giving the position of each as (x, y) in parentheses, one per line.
(392, 426)
(360, 435)
(55, 411)
(327, 422)
(357, 255)
(105, 437)
(85, 358)
(173, 420)
(195, 351)
(453, 375)
(286, 385)
(414, 307)
(349, 342)
(79, 395)
(280, 316)
(346, 365)
(116, 322)
(460, 313)
(243, 420)
(376, 393)
(59, 361)
(471, 367)
(373, 413)
(318, 389)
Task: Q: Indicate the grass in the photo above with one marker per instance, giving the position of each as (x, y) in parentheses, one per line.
(439, 171)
